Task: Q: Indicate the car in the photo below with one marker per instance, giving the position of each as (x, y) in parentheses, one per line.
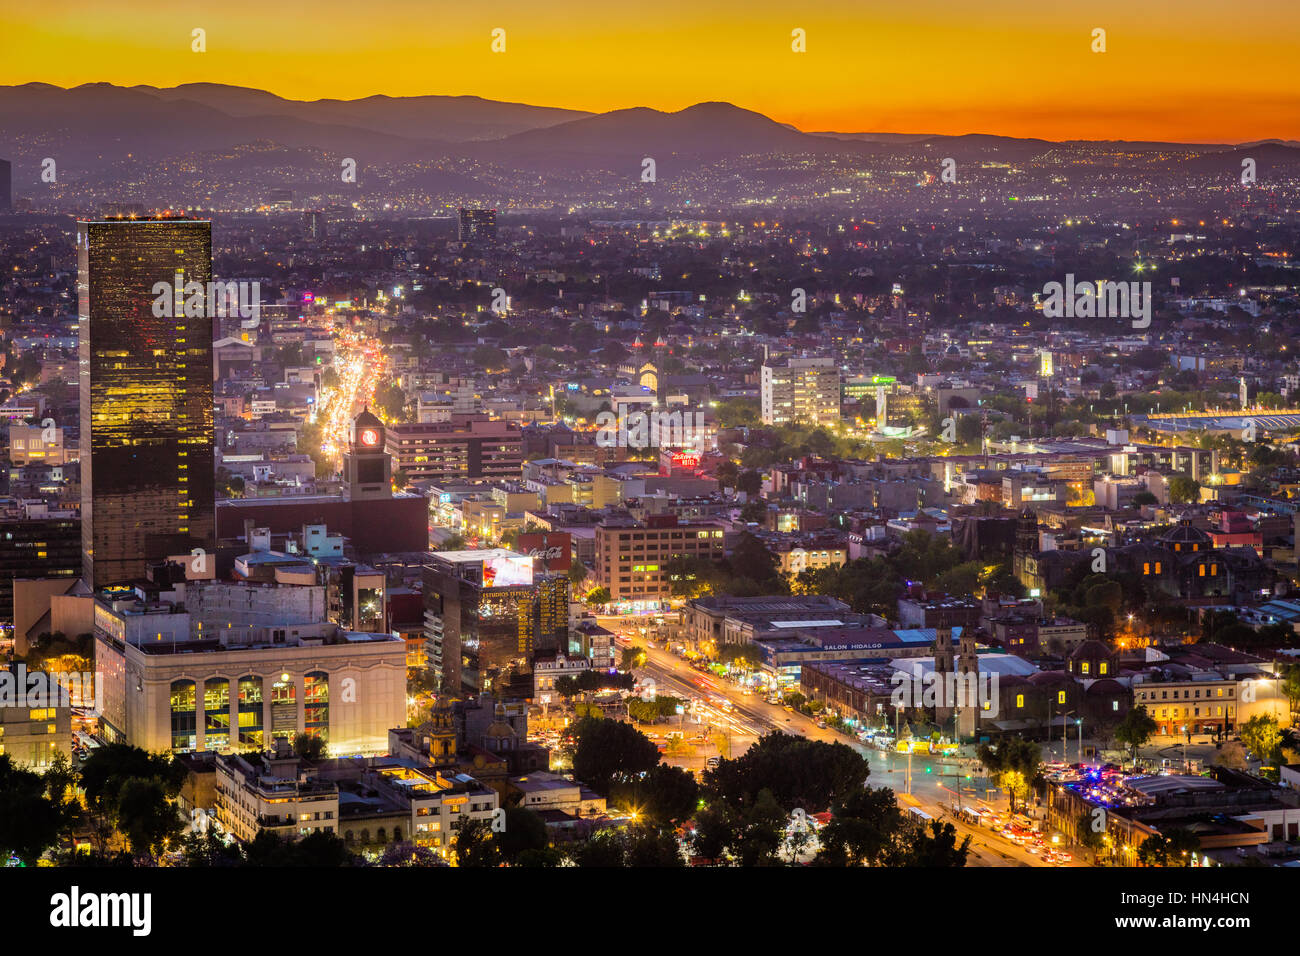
(713, 761)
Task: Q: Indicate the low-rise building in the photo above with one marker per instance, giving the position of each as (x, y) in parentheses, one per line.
(273, 792)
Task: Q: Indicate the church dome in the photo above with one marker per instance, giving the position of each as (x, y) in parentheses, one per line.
(1185, 533)
(500, 728)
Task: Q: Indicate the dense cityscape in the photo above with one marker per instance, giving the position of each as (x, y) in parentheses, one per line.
(412, 483)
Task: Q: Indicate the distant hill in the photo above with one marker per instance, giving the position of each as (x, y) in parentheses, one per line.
(621, 139)
(93, 125)
(444, 119)
(92, 129)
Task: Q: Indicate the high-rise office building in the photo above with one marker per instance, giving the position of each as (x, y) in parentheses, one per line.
(6, 188)
(146, 394)
(486, 611)
(804, 390)
(478, 225)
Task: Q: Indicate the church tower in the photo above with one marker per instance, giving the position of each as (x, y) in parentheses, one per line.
(968, 715)
(943, 666)
(660, 353)
(442, 735)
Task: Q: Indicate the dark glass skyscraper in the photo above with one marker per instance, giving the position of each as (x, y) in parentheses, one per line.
(6, 188)
(147, 489)
(478, 226)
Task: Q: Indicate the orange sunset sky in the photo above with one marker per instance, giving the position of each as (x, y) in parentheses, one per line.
(1191, 70)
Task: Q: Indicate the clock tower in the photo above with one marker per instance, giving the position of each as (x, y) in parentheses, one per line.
(367, 467)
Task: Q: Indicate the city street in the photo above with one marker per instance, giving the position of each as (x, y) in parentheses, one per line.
(751, 716)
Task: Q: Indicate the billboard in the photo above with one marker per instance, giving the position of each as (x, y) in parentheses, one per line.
(506, 570)
(552, 549)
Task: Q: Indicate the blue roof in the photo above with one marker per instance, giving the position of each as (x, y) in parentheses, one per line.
(923, 635)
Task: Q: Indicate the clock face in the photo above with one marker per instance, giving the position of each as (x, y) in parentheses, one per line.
(369, 437)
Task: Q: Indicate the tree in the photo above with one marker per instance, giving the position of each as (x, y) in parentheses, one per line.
(688, 577)
(807, 774)
(745, 656)
(146, 815)
(61, 782)
(1183, 490)
(750, 482)
(130, 790)
(750, 559)
(632, 657)
(1176, 848)
(309, 747)
(409, 855)
(597, 596)
(762, 831)
(932, 845)
(577, 572)
(30, 821)
(209, 850)
(1088, 836)
(489, 359)
(566, 686)
(1135, 730)
(609, 752)
(715, 830)
(1262, 737)
(1231, 755)
(861, 829)
(1015, 762)
(663, 797)
(524, 831)
(475, 846)
(1291, 686)
(605, 849)
(318, 849)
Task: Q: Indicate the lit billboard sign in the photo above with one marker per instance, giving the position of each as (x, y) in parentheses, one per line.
(507, 570)
(553, 549)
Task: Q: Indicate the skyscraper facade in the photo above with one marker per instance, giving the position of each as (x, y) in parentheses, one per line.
(147, 489)
(478, 225)
(6, 188)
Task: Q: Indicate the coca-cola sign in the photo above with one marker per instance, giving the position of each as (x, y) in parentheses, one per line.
(552, 549)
